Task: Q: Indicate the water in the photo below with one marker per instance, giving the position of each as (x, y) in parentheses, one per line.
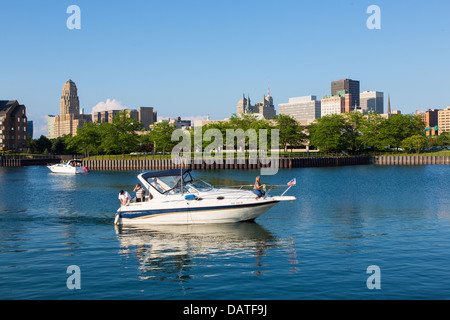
(345, 220)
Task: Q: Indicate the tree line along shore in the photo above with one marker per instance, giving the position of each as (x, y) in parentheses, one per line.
(349, 133)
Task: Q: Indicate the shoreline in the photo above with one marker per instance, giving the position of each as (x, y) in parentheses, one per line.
(284, 163)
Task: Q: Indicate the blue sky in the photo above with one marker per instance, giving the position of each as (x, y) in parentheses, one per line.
(197, 57)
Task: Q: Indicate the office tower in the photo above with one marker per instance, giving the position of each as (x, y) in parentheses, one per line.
(147, 116)
(444, 120)
(51, 126)
(351, 86)
(332, 105)
(301, 108)
(431, 119)
(372, 101)
(30, 129)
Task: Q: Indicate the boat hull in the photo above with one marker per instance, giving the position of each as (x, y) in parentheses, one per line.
(196, 215)
(67, 170)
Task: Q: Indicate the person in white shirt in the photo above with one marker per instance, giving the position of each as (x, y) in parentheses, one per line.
(124, 197)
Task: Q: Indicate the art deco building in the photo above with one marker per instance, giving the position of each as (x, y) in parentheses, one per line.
(70, 119)
(13, 126)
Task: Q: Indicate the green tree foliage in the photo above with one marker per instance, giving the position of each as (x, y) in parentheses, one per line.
(43, 144)
(444, 139)
(354, 131)
(415, 142)
(399, 127)
(374, 132)
(120, 136)
(291, 133)
(161, 137)
(249, 123)
(326, 133)
(88, 139)
(59, 146)
(352, 134)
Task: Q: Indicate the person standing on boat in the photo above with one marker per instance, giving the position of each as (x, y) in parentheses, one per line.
(140, 193)
(124, 197)
(257, 188)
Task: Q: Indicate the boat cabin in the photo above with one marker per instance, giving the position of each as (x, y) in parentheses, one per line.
(173, 181)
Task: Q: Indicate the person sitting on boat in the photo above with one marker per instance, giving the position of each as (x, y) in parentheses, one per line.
(140, 193)
(257, 188)
(124, 197)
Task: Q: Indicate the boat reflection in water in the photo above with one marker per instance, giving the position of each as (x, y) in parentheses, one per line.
(174, 249)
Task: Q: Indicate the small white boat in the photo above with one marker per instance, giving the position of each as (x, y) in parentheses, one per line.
(70, 167)
(177, 198)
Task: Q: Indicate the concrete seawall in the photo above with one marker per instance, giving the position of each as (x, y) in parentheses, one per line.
(23, 161)
(410, 160)
(158, 164)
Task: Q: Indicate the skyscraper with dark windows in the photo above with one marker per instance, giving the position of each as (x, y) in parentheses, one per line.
(349, 85)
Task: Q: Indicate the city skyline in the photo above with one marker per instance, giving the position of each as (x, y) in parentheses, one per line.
(196, 58)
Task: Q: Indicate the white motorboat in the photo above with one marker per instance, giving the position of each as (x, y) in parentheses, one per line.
(70, 167)
(178, 198)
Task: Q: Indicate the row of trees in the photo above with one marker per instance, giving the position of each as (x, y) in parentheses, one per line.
(349, 132)
(121, 137)
(356, 132)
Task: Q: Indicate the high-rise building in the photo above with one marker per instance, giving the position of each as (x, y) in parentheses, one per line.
(30, 128)
(371, 101)
(351, 86)
(13, 126)
(389, 104)
(301, 108)
(444, 120)
(244, 105)
(51, 126)
(430, 119)
(265, 107)
(145, 115)
(332, 105)
(70, 119)
(70, 104)
(339, 103)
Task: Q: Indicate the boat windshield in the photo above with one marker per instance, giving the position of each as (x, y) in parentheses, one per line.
(198, 185)
(172, 184)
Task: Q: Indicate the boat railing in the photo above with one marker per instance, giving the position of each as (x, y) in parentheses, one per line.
(267, 188)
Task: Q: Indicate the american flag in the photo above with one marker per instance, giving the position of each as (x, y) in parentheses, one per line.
(293, 182)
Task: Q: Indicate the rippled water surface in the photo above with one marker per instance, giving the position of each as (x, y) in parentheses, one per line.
(319, 247)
